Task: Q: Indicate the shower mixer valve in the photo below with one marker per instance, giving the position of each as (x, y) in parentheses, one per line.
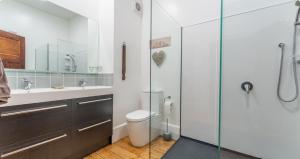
(247, 87)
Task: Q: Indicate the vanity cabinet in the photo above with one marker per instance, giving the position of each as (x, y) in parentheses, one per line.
(53, 146)
(66, 129)
(92, 127)
(91, 138)
(92, 110)
(21, 123)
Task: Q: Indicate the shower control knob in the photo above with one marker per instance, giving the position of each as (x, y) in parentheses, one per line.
(247, 87)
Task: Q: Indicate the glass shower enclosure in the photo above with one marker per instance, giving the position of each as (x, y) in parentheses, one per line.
(227, 82)
(258, 122)
(165, 77)
(62, 56)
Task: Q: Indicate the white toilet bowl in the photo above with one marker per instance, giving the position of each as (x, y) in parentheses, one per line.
(138, 127)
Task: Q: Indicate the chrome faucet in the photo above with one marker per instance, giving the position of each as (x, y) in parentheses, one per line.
(82, 83)
(27, 84)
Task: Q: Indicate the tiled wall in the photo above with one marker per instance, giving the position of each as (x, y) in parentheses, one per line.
(47, 80)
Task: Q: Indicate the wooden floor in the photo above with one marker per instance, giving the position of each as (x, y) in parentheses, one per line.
(124, 150)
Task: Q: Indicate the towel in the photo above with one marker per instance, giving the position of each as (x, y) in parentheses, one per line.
(4, 88)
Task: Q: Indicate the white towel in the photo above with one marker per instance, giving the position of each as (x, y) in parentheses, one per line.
(4, 88)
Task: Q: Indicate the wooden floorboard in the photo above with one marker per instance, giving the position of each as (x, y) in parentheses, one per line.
(124, 150)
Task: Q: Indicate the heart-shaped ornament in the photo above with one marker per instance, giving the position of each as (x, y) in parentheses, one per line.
(159, 57)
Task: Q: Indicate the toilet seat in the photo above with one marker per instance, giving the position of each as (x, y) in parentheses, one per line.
(139, 115)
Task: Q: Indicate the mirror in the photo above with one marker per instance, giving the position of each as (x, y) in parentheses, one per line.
(55, 39)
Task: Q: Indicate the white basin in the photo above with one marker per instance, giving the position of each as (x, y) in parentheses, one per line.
(45, 90)
(39, 95)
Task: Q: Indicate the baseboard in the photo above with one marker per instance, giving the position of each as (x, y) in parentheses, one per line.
(174, 129)
(119, 132)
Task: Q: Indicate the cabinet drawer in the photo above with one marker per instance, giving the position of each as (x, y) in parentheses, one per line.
(55, 146)
(23, 123)
(94, 109)
(91, 138)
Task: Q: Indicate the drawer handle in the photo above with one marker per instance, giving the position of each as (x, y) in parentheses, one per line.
(32, 146)
(95, 125)
(8, 114)
(94, 101)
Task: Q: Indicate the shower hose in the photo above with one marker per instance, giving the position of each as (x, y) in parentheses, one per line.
(295, 73)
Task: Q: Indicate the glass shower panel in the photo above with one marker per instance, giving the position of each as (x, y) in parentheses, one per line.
(200, 82)
(46, 58)
(165, 81)
(41, 58)
(255, 122)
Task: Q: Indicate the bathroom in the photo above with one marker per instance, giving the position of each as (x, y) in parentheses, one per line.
(149, 79)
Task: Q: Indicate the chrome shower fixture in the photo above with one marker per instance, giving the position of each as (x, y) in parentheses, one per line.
(282, 46)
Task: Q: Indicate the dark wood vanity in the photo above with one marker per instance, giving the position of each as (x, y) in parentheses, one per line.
(67, 129)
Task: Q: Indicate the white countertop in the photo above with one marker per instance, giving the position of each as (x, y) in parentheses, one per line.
(39, 95)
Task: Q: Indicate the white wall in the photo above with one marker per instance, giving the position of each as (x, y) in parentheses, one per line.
(78, 30)
(128, 26)
(145, 51)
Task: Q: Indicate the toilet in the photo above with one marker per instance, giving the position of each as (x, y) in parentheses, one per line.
(139, 120)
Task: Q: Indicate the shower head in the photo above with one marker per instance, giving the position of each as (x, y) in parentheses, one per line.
(297, 3)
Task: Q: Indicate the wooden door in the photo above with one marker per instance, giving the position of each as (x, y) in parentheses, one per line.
(12, 50)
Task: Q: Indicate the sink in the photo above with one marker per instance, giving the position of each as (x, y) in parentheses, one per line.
(39, 95)
(45, 90)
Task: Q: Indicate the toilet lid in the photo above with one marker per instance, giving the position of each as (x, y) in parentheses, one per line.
(139, 115)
